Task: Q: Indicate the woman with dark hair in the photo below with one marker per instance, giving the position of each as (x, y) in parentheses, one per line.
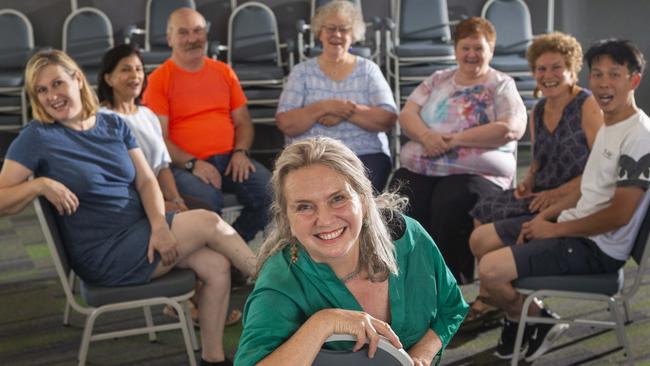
(121, 82)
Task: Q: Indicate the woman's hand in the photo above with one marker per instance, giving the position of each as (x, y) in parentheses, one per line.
(163, 241)
(175, 206)
(433, 143)
(342, 108)
(65, 202)
(523, 190)
(544, 199)
(361, 325)
(330, 120)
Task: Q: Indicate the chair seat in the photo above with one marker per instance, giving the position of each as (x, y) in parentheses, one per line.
(424, 49)
(249, 72)
(526, 84)
(92, 74)
(529, 102)
(11, 120)
(175, 283)
(510, 63)
(10, 101)
(262, 93)
(11, 78)
(423, 70)
(14, 58)
(261, 112)
(156, 56)
(607, 284)
(89, 58)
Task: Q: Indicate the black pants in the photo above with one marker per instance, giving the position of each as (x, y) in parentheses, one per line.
(442, 205)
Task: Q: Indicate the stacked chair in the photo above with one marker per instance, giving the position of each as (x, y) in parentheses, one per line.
(87, 35)
(308, 47)
(156, 50)
(16, 46)
(512, 21)
(255, 53)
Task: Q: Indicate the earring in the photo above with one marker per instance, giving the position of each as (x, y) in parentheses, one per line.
(293, 249)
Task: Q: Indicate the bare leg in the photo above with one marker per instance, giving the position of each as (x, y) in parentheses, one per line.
(496, 270)
(484, 239)
(200, 228)
(214, 271)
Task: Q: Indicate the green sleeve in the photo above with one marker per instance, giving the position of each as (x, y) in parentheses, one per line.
(270, 318)
(451, 307)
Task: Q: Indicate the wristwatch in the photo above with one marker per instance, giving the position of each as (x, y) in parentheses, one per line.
(189, 165)
(243, 151)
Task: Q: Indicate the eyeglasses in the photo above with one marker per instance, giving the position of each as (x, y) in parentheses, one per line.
(343, 29)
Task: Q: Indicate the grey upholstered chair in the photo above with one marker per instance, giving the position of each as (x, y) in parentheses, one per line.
(386, 355)
(171, 289)
(610, 289)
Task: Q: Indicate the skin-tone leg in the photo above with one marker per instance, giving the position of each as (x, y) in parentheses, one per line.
(496, 270)
(201, 228)
(206, 244)
(214, 271)
(484, 239)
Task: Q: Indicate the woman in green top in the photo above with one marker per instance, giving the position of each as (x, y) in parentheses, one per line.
(340, 260)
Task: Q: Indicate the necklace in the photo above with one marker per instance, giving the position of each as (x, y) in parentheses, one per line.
(350, 276)
(332, 68)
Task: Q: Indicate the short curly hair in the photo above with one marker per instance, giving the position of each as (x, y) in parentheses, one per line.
(557, 42)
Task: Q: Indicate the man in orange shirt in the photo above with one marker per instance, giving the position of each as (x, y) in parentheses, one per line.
(206, 125)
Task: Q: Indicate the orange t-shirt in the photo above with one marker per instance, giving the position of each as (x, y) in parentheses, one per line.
(197, 104)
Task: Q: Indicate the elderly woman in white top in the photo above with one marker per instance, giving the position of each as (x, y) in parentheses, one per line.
(340, 95)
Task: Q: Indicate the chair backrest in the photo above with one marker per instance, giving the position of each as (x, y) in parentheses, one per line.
(315, 4)
(511, 19)
(16, 39)
(87, 35)
(641, 249)
(253, 35)
(386, 355)
(157, 15)
(421, 20)
(50, 229)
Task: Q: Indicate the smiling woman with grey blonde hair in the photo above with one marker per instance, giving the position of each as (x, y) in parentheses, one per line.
(340, 95)
(340, 260)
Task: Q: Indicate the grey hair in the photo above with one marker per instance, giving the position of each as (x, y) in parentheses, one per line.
(376, 249)
(340, 7)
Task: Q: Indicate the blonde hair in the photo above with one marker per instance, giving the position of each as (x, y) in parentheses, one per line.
(340, 7)
(376, 250)
(89, 103)
(556, 42)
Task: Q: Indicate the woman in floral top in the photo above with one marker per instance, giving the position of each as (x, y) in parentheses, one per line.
(463, 123)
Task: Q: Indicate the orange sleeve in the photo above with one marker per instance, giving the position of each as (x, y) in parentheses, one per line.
(237, 96)
(155, 95)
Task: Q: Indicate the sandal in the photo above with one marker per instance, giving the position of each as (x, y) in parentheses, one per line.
(233, 317)
(481, 315)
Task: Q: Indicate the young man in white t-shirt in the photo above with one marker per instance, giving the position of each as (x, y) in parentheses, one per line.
(593, 231)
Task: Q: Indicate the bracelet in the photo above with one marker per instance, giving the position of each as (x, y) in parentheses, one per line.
(244, 151)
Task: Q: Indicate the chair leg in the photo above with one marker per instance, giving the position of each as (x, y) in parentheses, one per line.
(66, 309)
(149, 321)
(520, 330)
(627, 311)
(85, 339)
(190, 325)
(620, 328)
(189, 337)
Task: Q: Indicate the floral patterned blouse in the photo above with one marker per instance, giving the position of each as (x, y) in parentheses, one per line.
(448, 107)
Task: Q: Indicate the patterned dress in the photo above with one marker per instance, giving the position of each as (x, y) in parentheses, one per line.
(561, 155)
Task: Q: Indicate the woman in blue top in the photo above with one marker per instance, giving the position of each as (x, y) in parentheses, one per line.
(339, 260)
(111, 210)
(340, 95)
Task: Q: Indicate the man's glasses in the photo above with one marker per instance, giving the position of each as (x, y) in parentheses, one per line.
(343, 29)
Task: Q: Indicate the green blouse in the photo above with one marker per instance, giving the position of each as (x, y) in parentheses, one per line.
(424, 295)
